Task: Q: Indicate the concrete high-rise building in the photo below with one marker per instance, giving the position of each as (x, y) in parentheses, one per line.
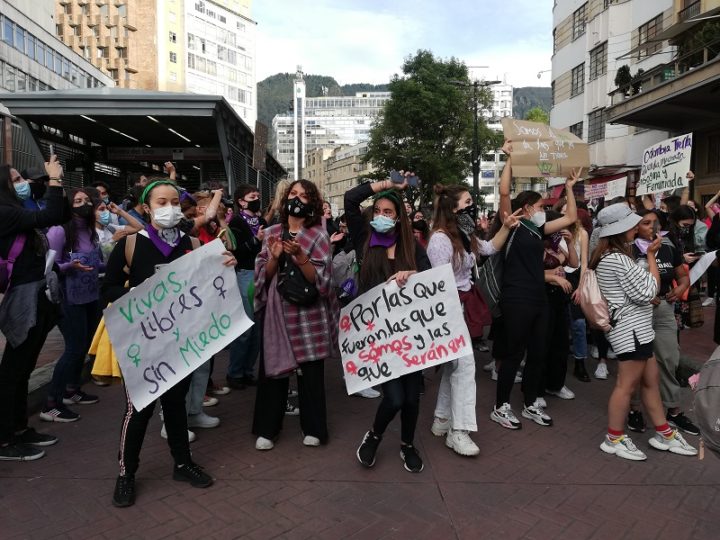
(591, 41)
(196, 46)
(33, 58)
(329, 121)
(501, 107)
(299, 139)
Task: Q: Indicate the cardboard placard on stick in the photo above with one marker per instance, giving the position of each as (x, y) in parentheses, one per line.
(391, 331)
(542, 151)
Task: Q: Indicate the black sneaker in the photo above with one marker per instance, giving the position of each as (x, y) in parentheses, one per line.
(411, 458)
(680, 421)
(124, 491)
(20, 452)
(249, 380)
(78, 397)
(193, 473)
(30, 436)
(58, 413)
(236, 383)
(368, 448)
(636, 422)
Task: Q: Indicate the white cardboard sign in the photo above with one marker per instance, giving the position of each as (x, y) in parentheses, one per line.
(165, 328)
(665, 165)
(390, 331)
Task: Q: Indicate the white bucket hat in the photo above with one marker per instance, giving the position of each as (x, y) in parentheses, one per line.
(617, 219)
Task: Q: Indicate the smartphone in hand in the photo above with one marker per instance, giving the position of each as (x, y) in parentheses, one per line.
(398, 178)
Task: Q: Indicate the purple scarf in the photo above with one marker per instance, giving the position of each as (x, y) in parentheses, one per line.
(166, 240)
(252, 220)
(383, 239)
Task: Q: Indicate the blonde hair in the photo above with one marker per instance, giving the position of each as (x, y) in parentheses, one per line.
(280, 190)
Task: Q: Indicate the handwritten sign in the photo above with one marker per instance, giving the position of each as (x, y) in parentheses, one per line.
(542, 151)
(608, 190)
(169, 325)
(390, 331)
(665, 165)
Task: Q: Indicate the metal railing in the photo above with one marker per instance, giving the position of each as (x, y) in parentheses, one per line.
(693, 10)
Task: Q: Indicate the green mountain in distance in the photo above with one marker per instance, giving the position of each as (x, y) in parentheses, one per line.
(274, 94)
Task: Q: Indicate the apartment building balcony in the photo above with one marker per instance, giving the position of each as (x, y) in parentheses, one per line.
(94, 20)
(110, 21)
(682, 95)
(121, 42)
(69, 19)
(127, 21)
(688, 15)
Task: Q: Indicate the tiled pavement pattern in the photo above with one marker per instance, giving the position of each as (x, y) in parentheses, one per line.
(536, 483)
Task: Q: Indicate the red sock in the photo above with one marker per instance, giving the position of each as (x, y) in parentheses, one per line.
(614, 435)
(665, 430)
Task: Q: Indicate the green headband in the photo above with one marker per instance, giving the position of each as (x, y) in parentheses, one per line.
(389, 194)
(153, 185)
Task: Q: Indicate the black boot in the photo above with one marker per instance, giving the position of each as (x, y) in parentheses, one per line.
(581, 373)
(124, 491)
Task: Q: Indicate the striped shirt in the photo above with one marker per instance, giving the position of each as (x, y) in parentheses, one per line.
(628, 289)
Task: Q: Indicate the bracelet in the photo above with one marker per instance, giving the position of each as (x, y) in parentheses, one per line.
(307, 260)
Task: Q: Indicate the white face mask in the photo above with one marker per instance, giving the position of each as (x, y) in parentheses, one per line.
(167, 217)
(538, 218)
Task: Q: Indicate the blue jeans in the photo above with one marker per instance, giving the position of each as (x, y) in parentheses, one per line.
(244, 350)
(579, 338)
(77, 325)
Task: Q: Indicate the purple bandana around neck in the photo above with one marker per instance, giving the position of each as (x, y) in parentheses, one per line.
(383, 239)
(252, 221)
(166, 247)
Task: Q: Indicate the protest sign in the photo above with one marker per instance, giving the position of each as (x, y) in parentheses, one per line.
(608, 190)
(82, 287)
(697, 271)
(665, 165)
(542, 151)
(390, 331)
(165, 328)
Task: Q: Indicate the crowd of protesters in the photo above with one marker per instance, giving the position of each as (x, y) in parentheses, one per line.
(70, 252)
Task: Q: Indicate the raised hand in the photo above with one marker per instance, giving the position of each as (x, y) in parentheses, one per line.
(53, 168)
(513, 220)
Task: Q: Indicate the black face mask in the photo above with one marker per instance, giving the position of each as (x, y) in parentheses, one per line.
(253, 206)
(420, 225)
(37, 189)
(297, 208)
(84, 211)
(471, 211)
(685, 231)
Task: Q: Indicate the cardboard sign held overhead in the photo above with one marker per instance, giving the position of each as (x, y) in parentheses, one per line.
(665, 165)
(542, 151)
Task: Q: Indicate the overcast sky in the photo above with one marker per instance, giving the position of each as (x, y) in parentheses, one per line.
(367, 40)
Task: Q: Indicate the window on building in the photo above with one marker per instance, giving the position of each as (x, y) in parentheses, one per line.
(191, 61)
(646, 34)
(173, 76)
(59, 30)
(173, 57)
(122, 10)
(9, 78)
(598, 61)
(122, 52)
(554, 40)
(579, 21)
(577, 84)
(596, 126)
(171, 16)
(30, 46)
(99, 52)
(576, 129)
(8, 31)
(20, 38)
(67, 8)
(104, 10)
(173, 37)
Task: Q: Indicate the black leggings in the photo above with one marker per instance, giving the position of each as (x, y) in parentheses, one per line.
(554, 369)
(524, 331)
(401, 394)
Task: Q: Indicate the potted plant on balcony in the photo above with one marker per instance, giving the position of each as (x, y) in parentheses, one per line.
(622, 81)
(637, 81)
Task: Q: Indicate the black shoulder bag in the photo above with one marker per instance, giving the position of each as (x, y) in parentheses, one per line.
(292, 284)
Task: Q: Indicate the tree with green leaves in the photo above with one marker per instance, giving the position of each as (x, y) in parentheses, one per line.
(538, 114)
(427, 126)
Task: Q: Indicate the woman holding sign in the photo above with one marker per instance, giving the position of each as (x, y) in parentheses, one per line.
(523, 300)
(453, 241)
(135, 259)
(297, 316)
(80, 260)
(388, 250)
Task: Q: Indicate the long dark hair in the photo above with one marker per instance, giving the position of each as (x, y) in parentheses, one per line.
(375, 268)
(71, 227)
(8, 197)
(314, 202)
(687, 243)
(445, 219)
(609, 244)
(525, 198)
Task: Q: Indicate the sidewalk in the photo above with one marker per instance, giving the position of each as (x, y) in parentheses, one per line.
(534, 483)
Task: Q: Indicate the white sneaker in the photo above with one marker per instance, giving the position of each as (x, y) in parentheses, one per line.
(709, 301)
(263, 444)
(202, 420)
(210, 401)
(191, 434)
(490, 366)
(309, 440)
(611, 354)
(537, 415)
(540, 402)
(623, 447)
(593, 351)
(461, 443)
(676, 444)
(482, 347)
(601, 372)
(440, 426)
(505, 417)
(563, 393)
(369, 393)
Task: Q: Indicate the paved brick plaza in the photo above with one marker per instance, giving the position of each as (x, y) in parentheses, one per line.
(535, 483)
